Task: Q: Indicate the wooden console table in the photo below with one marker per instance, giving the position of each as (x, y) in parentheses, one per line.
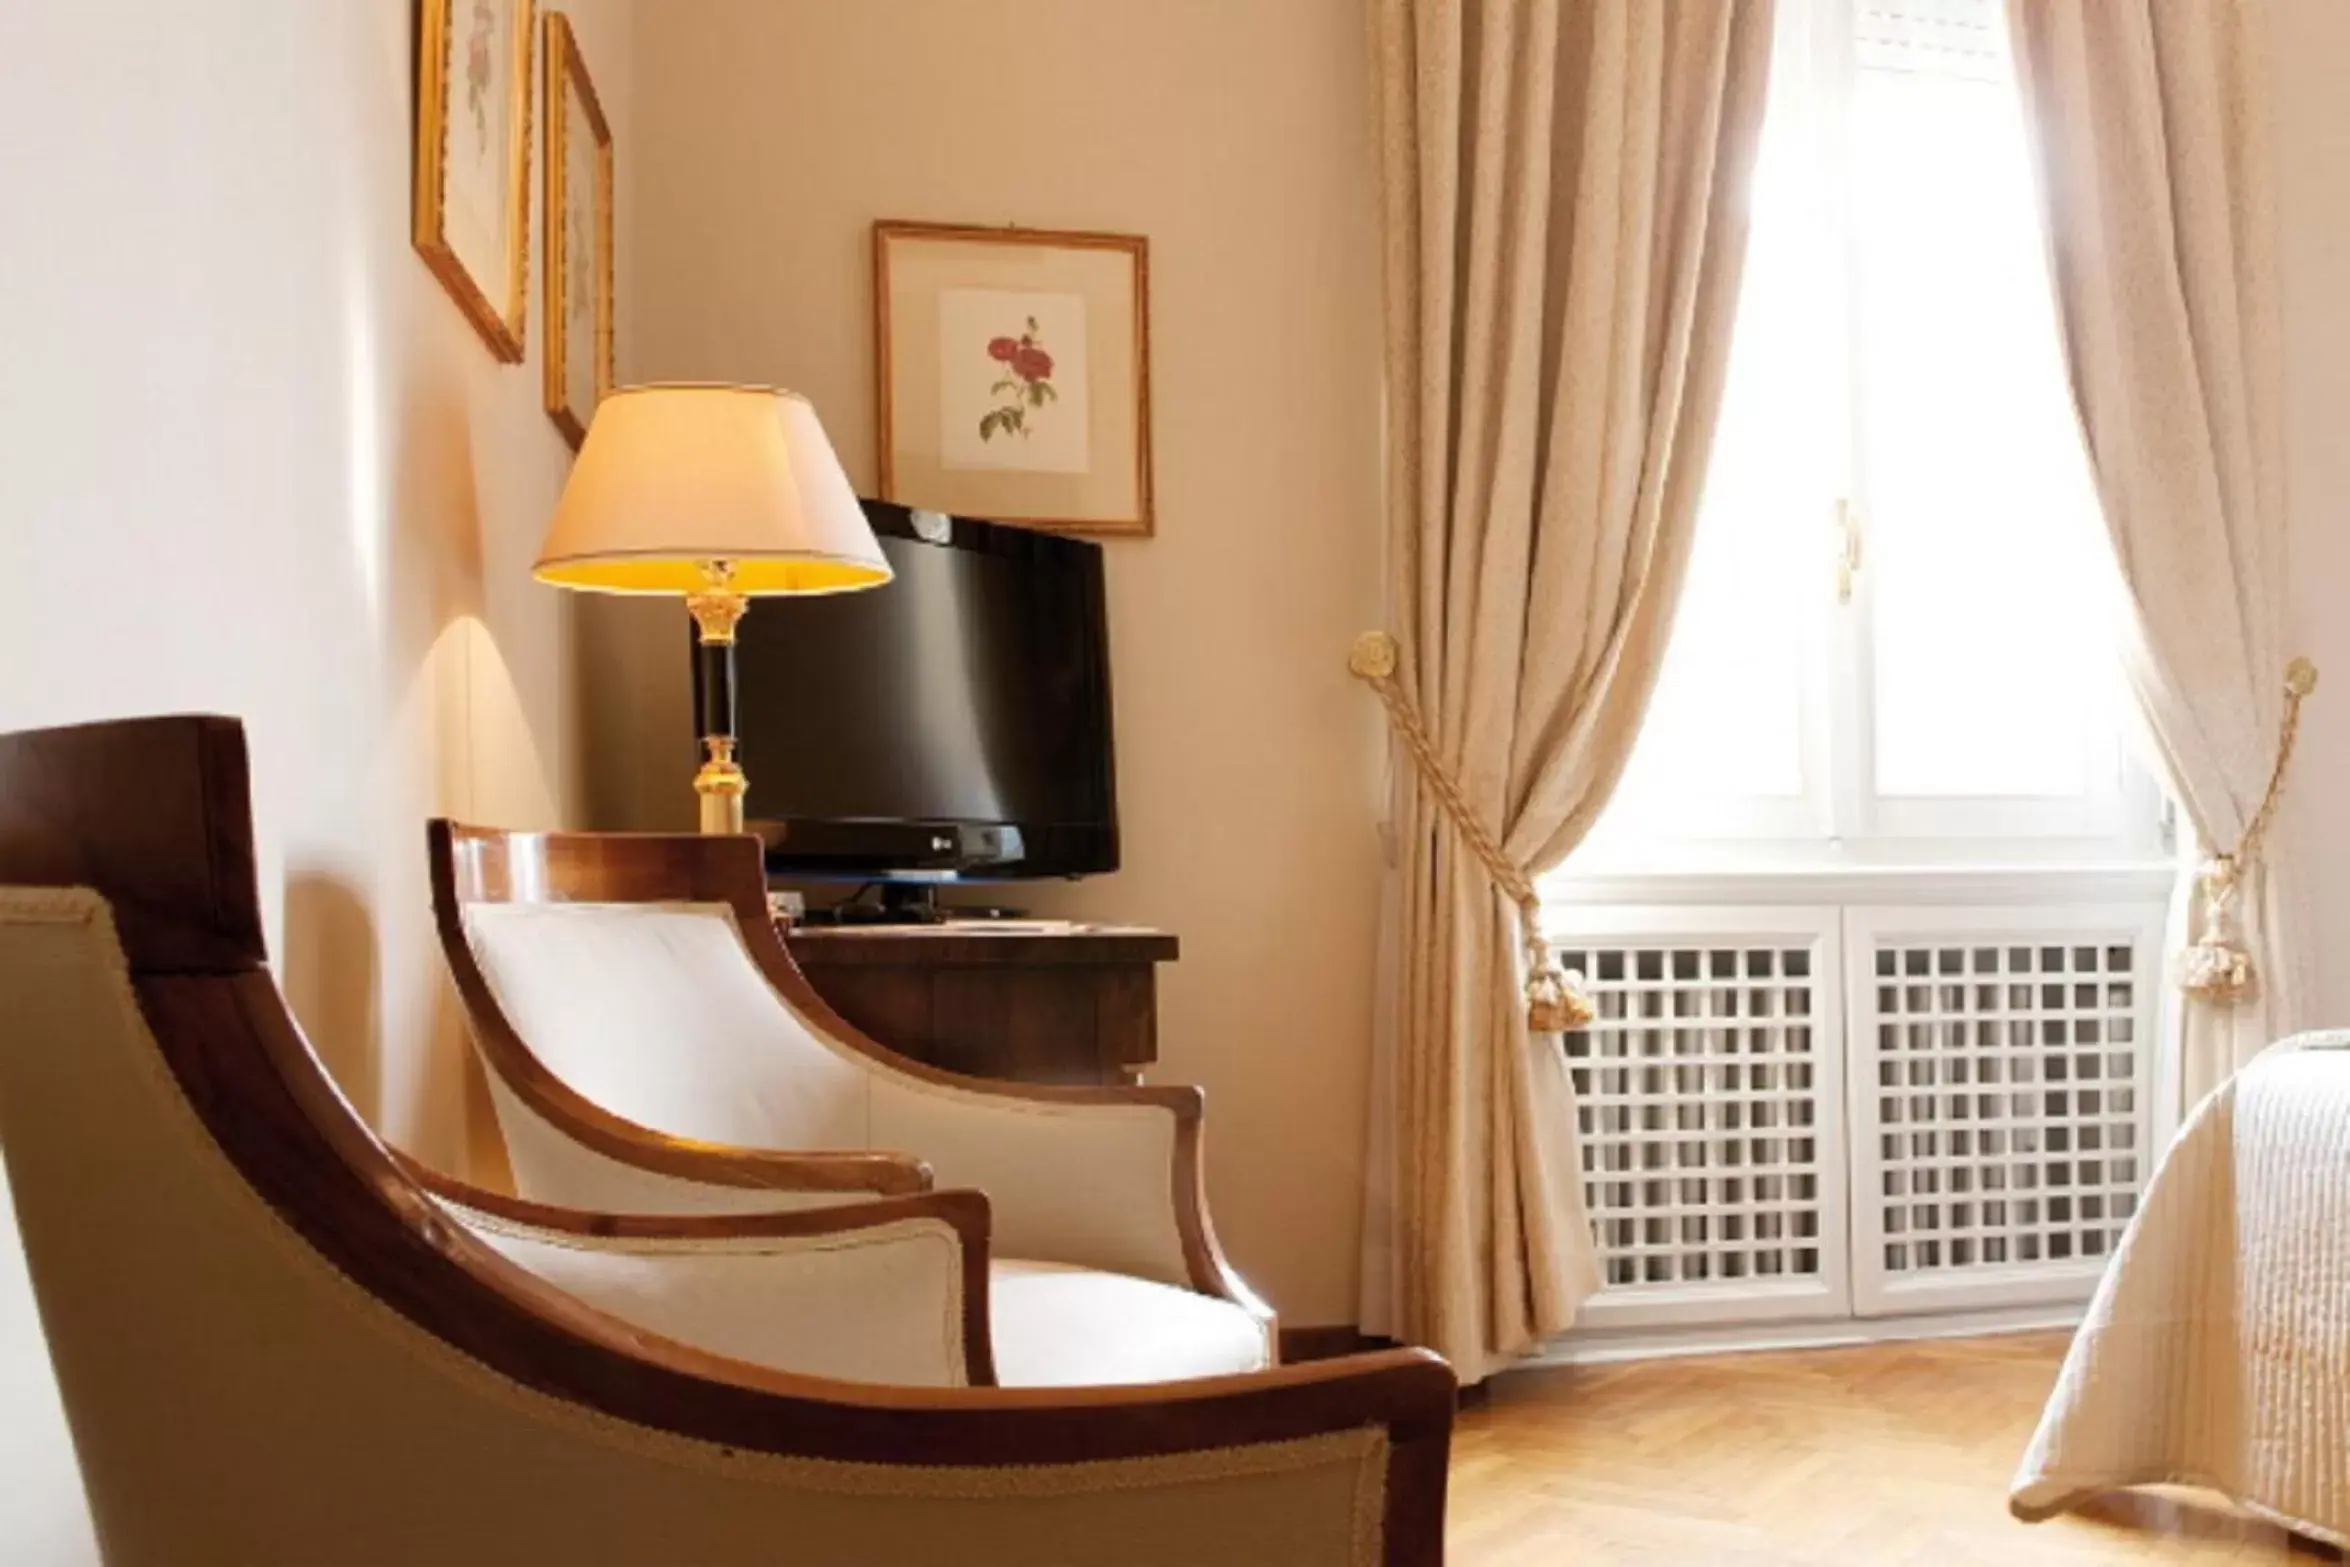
(1075, 1004)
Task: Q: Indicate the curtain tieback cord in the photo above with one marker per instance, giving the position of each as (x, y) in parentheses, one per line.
(1555, 997)
(2217, 968)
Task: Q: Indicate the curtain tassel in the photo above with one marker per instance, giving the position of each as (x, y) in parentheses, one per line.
(1555, 997)
(2217, 968)
(1556, 1001)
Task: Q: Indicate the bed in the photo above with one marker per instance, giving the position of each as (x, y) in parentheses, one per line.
(2216, 1351)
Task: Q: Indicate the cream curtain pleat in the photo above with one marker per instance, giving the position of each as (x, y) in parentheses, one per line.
(1565, 221)
(2156, 176)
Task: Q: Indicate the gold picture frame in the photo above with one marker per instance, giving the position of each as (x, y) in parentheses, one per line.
(1013, 374)
(471, 218)
(579, 148)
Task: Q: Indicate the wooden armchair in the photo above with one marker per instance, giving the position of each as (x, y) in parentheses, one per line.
(277, 1346)
(652, 1046)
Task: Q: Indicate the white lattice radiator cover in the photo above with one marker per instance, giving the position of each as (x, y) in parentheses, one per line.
(1707, 1093)
(1998, 1101)
(1798, 1113)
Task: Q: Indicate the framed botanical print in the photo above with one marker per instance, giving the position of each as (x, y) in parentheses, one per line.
(579, 237)
(1014, 374)
(472, 206)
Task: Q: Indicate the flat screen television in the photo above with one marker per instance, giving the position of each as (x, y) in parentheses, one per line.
(953, 724)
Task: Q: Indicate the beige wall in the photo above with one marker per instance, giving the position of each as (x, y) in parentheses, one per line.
(1237, 136)
(2312, 55)
(254, 462)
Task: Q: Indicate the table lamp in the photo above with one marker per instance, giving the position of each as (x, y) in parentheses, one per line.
(717, 494)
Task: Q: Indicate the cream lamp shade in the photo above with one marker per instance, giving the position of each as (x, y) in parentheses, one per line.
(713, 494)
(675, 478)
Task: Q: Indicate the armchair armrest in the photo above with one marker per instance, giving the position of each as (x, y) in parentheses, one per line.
(1107, 1178)
(1100, 1177)
(561, 1142)
(893, 1291)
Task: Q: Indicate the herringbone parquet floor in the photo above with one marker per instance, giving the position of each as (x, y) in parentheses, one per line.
(1886, 1456)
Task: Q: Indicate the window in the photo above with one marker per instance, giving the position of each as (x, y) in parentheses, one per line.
(1896, 642)
(1870, 921)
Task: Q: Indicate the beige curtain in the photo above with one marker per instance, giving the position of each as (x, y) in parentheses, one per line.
(1566, 218)
(2157, 179)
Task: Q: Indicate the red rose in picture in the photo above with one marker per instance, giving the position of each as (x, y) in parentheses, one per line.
(1026, 387)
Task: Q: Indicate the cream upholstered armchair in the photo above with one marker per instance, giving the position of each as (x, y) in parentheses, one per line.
(653, 1047)
(277, 1346)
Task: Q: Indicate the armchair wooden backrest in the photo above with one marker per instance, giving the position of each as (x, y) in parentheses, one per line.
(477, 866)
(275, 1347)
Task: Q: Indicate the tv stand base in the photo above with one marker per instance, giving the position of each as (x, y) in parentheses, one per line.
(1074, 1005)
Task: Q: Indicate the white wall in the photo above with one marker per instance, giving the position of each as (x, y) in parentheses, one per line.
(1239, 137)
(253, 461)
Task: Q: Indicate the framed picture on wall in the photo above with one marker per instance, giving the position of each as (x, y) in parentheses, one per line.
(1014, 374)
(472, 205)
(579, 237)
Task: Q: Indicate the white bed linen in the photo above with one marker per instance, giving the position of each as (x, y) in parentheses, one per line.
(2217, 1349)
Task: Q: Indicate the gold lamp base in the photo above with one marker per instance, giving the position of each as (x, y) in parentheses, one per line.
(720, 784)
(717, 609)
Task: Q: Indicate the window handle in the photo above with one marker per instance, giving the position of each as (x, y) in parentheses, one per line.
(1847, 548)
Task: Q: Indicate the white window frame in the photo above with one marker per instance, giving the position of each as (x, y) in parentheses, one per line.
(1841, 821)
